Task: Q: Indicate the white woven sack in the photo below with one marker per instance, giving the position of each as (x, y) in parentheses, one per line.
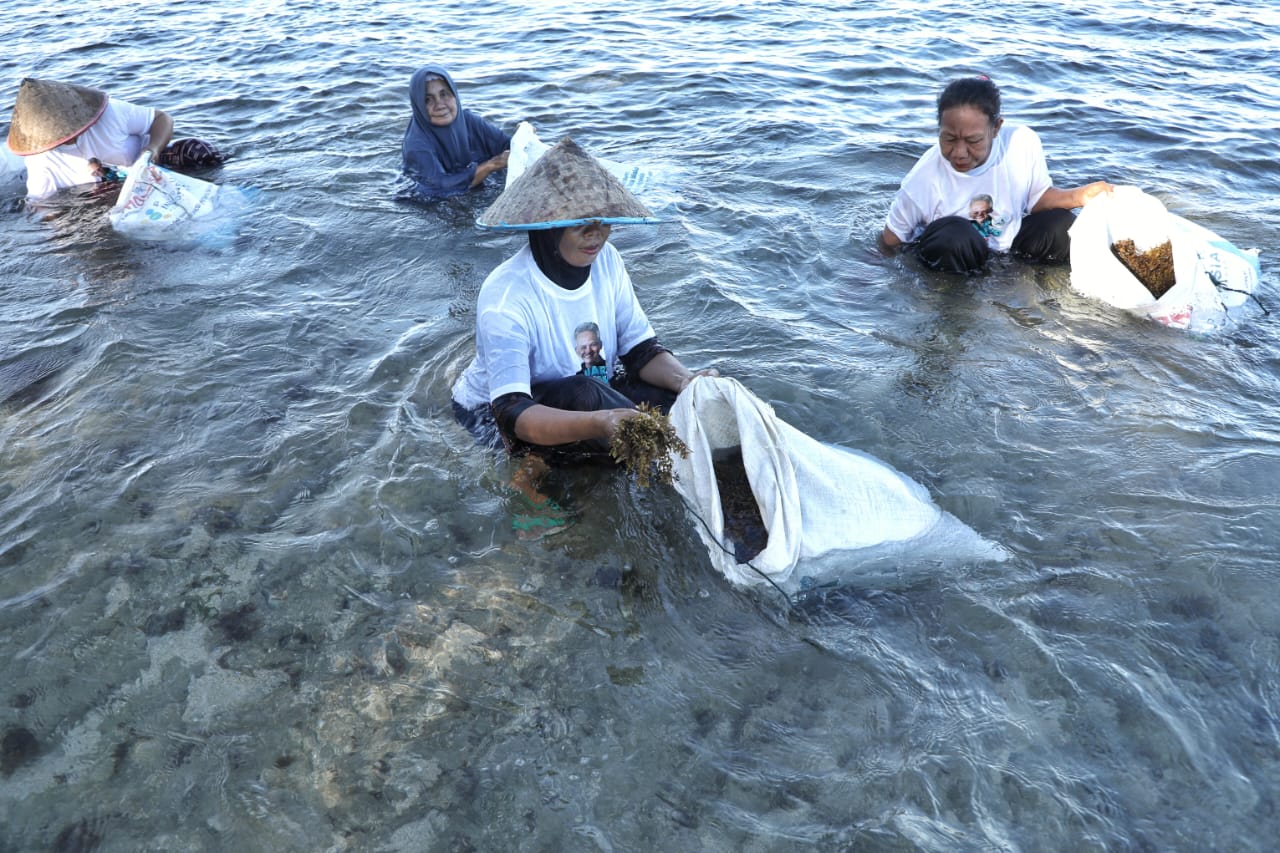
(1212, 275)
(155, 202)
(814, 498)
(526, 147)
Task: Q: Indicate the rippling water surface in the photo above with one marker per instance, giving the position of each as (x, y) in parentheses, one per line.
(258, 591)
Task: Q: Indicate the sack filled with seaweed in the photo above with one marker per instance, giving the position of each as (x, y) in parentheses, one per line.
(821, 512)
(1129, 251)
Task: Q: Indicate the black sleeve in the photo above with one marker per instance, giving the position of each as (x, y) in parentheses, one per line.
(505, 411)
(641, 354)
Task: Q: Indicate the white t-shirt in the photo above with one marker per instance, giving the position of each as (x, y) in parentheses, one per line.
(1009, 183)
(526, 324)
(116, 139)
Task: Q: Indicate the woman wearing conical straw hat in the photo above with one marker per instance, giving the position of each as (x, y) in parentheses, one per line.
(527, 389)
(69, 135)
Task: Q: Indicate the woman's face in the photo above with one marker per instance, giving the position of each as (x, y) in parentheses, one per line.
(579, 244)
(442, 106)
(965, 135)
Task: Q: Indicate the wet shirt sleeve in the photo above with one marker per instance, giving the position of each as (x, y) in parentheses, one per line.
(118, 135)
(1028, 150)
(632, 324)
(491, 141)
(135, 119)
(906, 216)
(40, 180)
(506, 348)
(634, 359)
(506, 410)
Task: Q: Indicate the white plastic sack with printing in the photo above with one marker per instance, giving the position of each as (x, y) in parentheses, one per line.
(526, 147)
(159, 204)
(1213, 277)
(829, 511)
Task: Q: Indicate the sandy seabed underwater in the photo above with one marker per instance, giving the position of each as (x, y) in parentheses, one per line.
(259, 591)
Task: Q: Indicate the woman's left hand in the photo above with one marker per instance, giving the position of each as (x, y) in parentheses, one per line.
(488, 167)
(1092, 190)
(685, 381)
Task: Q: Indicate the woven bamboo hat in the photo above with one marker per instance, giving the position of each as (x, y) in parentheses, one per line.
(48, 113)
(565, 186)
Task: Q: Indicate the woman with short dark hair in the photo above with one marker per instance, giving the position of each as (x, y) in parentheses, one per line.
(977, 156)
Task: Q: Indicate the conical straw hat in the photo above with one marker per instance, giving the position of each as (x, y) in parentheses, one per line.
(565, 186)
(48, 113)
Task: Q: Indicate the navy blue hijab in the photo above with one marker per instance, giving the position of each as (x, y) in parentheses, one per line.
(442, 160)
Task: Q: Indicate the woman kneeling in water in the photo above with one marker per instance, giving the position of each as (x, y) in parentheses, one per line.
(529, 387)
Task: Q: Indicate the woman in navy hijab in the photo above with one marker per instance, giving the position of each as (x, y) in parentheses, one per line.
(448, 150)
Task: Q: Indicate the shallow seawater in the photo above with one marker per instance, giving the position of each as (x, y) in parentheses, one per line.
(259, 591)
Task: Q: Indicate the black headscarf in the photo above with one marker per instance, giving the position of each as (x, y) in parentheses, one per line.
(545, 245)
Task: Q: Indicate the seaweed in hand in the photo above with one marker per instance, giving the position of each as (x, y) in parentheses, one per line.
(644, 444)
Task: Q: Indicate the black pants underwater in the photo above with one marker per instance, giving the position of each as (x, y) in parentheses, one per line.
(574, 394)
(952, 244)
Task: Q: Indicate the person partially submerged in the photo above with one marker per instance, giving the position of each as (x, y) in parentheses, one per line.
(69, 135)
(448, 150)
(983, 187)
(526, 388)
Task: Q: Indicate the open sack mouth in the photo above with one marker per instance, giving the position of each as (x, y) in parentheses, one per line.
(771, 502)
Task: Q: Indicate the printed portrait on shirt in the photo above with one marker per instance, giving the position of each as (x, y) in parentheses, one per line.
(590, 351)
(982, 211)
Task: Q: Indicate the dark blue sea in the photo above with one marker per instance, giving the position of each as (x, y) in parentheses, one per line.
(260, 592)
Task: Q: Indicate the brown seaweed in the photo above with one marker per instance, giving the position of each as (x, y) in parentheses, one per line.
(743, 524)
(644, 444)
(1154, 267)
